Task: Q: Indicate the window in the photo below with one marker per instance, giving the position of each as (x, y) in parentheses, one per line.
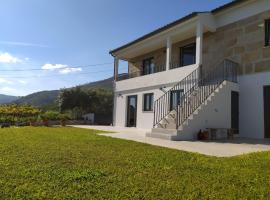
(267, 32)
(148, 100)
(175, 98)
(148, 66)
(188, 55)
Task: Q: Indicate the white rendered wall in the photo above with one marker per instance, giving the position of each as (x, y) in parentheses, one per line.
(252, 104)
(144, 118)
(156, 79)
(215, 114)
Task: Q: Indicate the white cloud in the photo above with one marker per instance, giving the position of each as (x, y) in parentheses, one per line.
(23, 44)
(2, 80)
(53, 66)
(70, 70)
(22, 82)
(8, 58)
(7, 89)
(63, 69)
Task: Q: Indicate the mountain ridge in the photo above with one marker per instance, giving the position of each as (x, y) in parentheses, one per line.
(48, 97)
(4, 99)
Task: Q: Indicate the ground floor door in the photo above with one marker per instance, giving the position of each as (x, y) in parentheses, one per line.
(266, 96)
(132, 111)
(235, 111)
(175, 98)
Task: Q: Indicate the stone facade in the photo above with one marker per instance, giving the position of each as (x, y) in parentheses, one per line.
(242, 42)
(159, 56)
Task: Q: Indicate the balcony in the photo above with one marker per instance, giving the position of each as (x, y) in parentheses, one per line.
(160, 78)
(155, 69)
(137, 73)
(164, 48)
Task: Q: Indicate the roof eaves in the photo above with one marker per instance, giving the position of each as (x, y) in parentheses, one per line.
(228, 5)
(181, 20)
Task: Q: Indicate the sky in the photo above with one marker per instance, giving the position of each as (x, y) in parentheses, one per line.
(53, 44)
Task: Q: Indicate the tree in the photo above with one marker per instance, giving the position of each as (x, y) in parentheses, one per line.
(80, 102)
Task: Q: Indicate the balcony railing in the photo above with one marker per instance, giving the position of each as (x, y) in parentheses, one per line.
(138, 73)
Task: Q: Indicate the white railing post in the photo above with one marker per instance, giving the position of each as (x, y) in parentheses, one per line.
(168, 53)
(199, 42)
(116, 65)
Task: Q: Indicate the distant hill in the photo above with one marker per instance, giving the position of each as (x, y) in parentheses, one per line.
(104, 84)
(7, 98)
(43, 98)
(39, 98)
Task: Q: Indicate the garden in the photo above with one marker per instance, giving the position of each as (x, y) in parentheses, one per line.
(73, 163)
(26, 115)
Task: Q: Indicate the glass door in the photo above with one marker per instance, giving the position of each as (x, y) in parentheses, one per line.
(148, 66)
(175, 98)
(132, 111)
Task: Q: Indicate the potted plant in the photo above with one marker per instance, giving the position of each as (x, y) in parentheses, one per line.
(203, 135)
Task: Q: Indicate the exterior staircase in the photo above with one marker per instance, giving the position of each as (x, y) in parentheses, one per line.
(203, 93)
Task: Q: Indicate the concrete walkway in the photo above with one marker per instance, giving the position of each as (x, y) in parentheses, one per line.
(219, 148)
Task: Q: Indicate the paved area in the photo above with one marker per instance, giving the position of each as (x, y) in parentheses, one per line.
(219, 148)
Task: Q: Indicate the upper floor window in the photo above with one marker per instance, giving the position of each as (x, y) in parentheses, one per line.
(267, 32)
(148, 101)
(148, 66)
(188, 55)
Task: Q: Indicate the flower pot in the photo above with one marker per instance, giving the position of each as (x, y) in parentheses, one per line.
(203, 135)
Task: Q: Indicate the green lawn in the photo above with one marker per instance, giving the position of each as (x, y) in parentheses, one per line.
(69, 163)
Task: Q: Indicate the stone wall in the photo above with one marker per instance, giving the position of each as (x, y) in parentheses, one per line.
(242, 42)
(159, 56)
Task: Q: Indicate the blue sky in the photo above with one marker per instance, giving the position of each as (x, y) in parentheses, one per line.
(61, 40)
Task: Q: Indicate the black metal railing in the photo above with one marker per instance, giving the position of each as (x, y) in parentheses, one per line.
(162, 106)
(196, 90)
(138, 73)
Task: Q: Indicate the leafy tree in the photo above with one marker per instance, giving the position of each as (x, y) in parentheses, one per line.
(79, 102)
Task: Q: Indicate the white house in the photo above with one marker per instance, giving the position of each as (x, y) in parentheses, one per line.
(205, 70)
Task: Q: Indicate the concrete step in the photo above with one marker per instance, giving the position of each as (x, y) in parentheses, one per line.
(175, 135)
(162, 133)
(160, 136)
(163, 130)
(169, 126)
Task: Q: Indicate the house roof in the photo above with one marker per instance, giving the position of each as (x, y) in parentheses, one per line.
(179, 21)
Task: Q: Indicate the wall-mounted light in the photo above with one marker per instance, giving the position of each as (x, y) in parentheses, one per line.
(163, 89)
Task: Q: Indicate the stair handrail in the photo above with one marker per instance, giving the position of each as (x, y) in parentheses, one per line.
(227, 70)
(188, 84)
(160, 111)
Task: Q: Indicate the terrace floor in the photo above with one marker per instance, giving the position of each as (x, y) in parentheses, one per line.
(218, 148)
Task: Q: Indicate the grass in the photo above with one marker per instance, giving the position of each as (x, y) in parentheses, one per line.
(69, 163)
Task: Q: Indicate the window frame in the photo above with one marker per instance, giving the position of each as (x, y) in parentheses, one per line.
(267, 32)
(179, 93)
(181, 62)
(148, 71)
(151, 104)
